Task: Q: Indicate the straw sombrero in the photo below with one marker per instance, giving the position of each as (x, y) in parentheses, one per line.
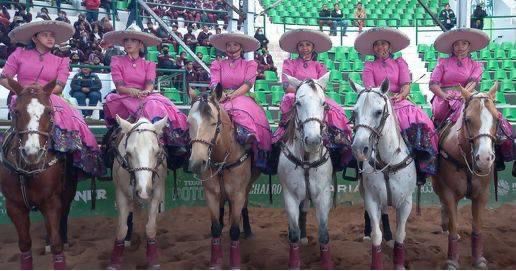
(249, 44)
(132, 32)
(397, 39)
(24, 33)
(477, 39)
(289, 40)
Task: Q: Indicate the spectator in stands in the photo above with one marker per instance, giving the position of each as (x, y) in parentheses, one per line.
(191, 74)
(92, 10)
(324, 17)
(477, 19)
(360, 13)
(337, 17)
(165, 60)
(17, 21)
(75, 59)
(110, 52)
(190, 39)
(204, 36)
(132, 6)
(96, 60)
(43, 14)
(96, 33)
(265, 62)
(447, 17)
(61, 16)
(106, 25)
(172, 40)
(223, 14)
(86, 85)
(81, 21)
(150, 28)
(108, 6)
(5, 13)
(22, 12)
(74, 49)
(181, 60)
(260, 36)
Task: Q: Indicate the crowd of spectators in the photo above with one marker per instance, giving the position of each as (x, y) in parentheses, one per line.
(335, 18)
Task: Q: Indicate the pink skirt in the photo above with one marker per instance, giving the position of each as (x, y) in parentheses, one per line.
(72, 134)
(153, 107)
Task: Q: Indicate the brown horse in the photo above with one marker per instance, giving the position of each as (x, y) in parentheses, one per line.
(465, 166)
(33, 177)
(225, 168)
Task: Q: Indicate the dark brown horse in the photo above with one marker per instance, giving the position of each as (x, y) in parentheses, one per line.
(32, 176)
(226, 169)
(465, 166)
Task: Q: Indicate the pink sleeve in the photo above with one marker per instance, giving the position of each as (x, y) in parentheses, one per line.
(321, 70)
(404, 73)
(250, 75)
(368, 75)
(150, 73)
(12, 64)
(63, 71)
(287, 69)
(215, 73)
(116, 71)
(476, 73)
(438, 72)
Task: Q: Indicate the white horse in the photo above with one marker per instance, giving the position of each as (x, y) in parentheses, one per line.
(139, 173)
(305, 168)
(389, 171)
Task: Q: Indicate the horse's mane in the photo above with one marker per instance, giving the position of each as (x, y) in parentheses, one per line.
(290, 130)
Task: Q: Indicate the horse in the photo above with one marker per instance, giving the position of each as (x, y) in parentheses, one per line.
(33, 176)
(305, 168)
(226, 169)
(389, 171)
(139, 173)
(466, 161)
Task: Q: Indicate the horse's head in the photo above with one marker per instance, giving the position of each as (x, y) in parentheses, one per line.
(142, 152)
(204, 124)
(32, 119)
(309, 111)
(370, 113)
(479, 125)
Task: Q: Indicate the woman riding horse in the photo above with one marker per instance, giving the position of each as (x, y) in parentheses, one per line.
(134, 78)
(459, 70)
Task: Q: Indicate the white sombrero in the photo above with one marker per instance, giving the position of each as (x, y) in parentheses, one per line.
(289, 40)
(477, 39)
(132, 32)
(397, 40)
(24, 33)
(249, 44)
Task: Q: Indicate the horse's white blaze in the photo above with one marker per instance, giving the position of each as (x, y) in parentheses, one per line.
(35, 110)
(196, 115)
(485, 149)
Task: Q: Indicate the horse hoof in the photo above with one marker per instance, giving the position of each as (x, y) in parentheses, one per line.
(480, 264)
(216, 267)
(366, 238)
(47, 249)
(390, 243)
(249, 236)
(154, 267)
(304, 241)
(447, 233)
(114, 267)
(452, 265)
(127, 243)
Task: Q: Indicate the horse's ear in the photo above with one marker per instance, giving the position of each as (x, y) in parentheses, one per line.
(323, 81)
(192, 95)
(159, 125)
(493, 90)
(355, 87)
(385, 86)
(465, 92)
(293, 81)
(216, 93)
(125, 125)
(49, 87)
(15, 86)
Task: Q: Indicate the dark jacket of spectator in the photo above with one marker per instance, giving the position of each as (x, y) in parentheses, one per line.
(203, 37)
(447, 17)
(110, 52)
(62, 17)
(324, 14)
(477, 19)
(260, 36)
(81, 80)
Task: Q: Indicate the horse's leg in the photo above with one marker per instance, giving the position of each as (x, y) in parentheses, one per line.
(386, 227)
(248, 233)
(129, 235)
(445, 220)
(303, 211)
(477, 248)
(67, 198)
(213, 200)
(402, 215)
(150, 229)
(376, 234)
(20, 218)
(323, 204)
(237, 201)
(52, 212)
(450, 203)
(292, 207)
(118, 248)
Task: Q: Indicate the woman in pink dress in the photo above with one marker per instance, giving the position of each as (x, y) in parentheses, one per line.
(134, 98)
(35, 64)
(237, 76)
(459, 70)
(307, 43)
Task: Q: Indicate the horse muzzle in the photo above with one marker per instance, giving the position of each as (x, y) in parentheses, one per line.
(484, 160)
(32, 159)
(197, 166)
(361, 151)
(312, 143)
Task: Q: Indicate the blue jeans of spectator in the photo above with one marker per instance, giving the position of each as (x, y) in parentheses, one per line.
(93, 96)
(92, 15)
(58, 5)
(132, 18)
(341, 23)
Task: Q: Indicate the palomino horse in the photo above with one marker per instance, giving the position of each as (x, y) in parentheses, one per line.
(389, 172)
(32, 176)
(465, 164)
(305, 169)
(225, 167)
(139, 173)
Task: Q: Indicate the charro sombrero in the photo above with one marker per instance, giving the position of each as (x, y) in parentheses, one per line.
(477, 39)
(397, 39)
(249, 44)
(132, 32)
(24, 33)
(289, 40)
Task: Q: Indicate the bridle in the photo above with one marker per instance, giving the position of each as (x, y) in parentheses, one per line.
(376, 132)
